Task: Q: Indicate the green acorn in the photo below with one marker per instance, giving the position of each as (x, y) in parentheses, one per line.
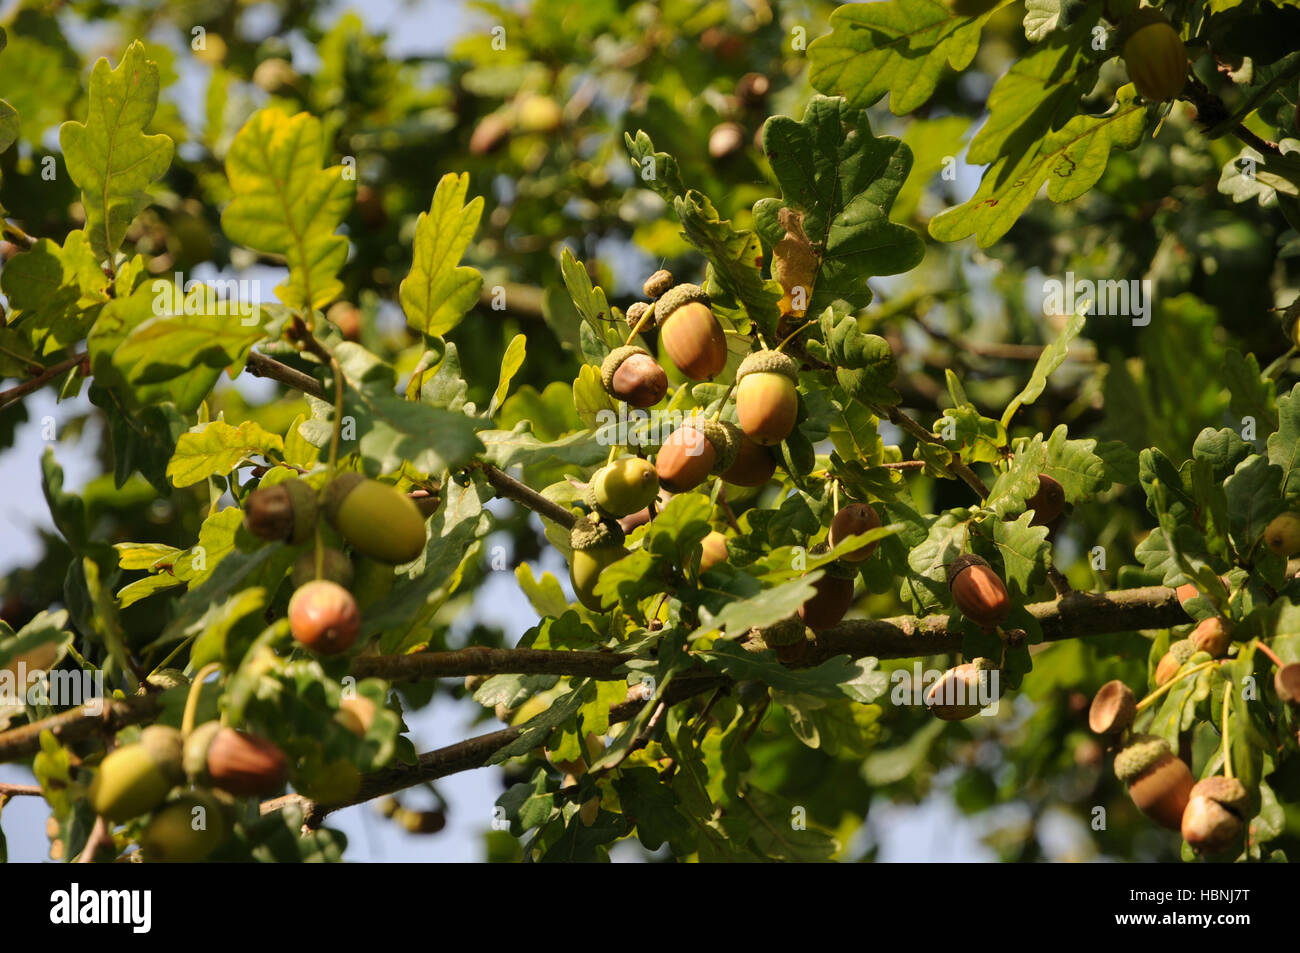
(378, 519)
(596, 546)
(184, 831)
(767, 401)
(133, 779)
(623, 487)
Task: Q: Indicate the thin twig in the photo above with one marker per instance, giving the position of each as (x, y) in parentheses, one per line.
(14, 394)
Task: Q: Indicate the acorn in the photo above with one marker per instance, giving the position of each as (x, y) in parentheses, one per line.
(596, 547)
(621, 488)
(1214, 818)
(657, 284)
(714, 550)
(283, 511)
(135, 778)
(754, 464)
(379, 520)
(324, 617)
(694, 450)
(854, 520)
(1113, 709)
(833, 597)
(1173, 660)
(1287, 682)
(237, 762)
(1159, 783)
(631, 374)
(726, 139)
(357, 713)
(957, 694)
(689, 332)
(537, 113)
(752, 89)
(1187, 592)
(635, 312)
(422, 822)
(336, 567)
(332, 783)
(1047, 503)
(767, 401)
(1212, 636)
(184, 831)
(1154, 55)
(1282, 535)
(978, 591)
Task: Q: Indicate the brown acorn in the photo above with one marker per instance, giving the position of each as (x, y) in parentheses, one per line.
(237, 762)
(1287, 682)
(978, 591)
(767, 400)
(658, 283)
(1159, 783)
(1047, 503)
(689, 332)
(1113, 709)
(694, 450)
(324, 617)
(1214, 818)
(959, 693)
(754, 464)
(1212, 636)
(854, 520)
(283, 511)
(1173, 660)
(833, 598)
(631, 374)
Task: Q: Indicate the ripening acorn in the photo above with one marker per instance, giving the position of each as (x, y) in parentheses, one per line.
(1155, 56)
(1047, 503)
(623, 487)
(1113, 709)
(714, 550)
(631, 374)
(377, 519)
(1282, 535)
(421, 822)
(335, 566)
(1212, 636)
(979, 592)
(696, 449)
(357, 713)
(237, 762)
(854, 520)
(754, 464)
(135, 778)
(1159, 783)
(1173, 660)
(831, 600)
(184, 831)
(324, 617)
(767, 400)
(1187, 592)
(1287, 682)
(689, 332)
(963, 691)
(596, 547)
(1214, 819)
(284, 511)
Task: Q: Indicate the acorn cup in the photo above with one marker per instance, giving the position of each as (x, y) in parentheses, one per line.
(237, 762)
(1282, 535)
(754, 464)
(657, 284)
(596, 547)
(1173, 660)
(135, 778)
(377, 519)
(283, 511)
(1154, 56)
(957, 694)
(767, 400)
(1214, 819)
(324, 617)
(1047, 503)
(854, 520)
(979, 592)
(1212, 636)
(632, 375)
(1159, 783)
(1113, 709)
(696, 449)
(184, 831)
(689, 332)
(623, 487)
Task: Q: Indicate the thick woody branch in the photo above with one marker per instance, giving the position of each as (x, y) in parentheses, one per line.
(512, 489)
(259, 365)
(14, 394)
(103, 716)
(480, 660)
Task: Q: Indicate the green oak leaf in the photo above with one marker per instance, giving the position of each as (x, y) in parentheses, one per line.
(438, 292)
(865, 365)
(1284, 446)
(216, 448)
(1053, 356)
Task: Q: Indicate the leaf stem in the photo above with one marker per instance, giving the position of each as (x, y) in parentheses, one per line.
(1146, 702)
(1227, 735)
(192, 699)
